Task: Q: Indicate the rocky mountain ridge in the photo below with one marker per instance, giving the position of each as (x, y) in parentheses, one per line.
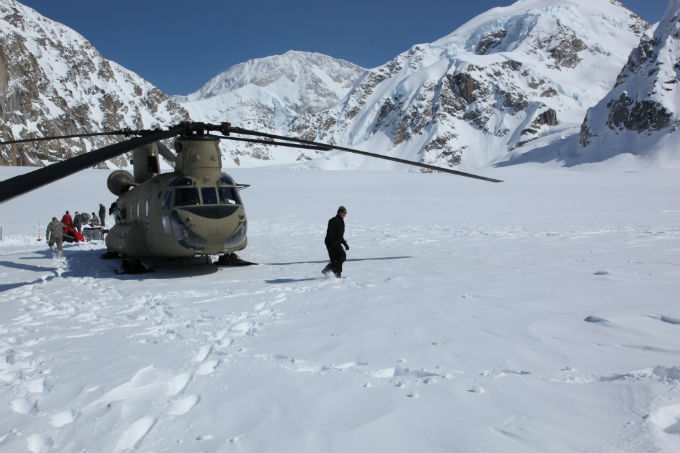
(54, 82)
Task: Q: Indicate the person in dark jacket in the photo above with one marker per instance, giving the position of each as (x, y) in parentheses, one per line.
(78, 221)
(335, 240)
(102, 214)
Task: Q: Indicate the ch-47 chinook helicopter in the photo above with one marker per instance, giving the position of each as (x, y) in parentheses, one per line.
(192, 211)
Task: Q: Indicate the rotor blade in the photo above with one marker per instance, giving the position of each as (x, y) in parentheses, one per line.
(21, 184)
(323, 146)
(59, 137)
(271, 142)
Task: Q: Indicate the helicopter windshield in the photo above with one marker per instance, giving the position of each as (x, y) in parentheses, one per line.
(228, 195)
(186, 196)
(209, 195)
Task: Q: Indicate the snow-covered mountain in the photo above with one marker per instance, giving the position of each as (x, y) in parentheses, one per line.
(642, 112)
(268, 94)
(54, 82)
(272, 91)
(501, 80)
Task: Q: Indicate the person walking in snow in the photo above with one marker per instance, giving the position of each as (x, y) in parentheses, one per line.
(335, 240)
(55, 235)
(102, 214)
(78, 221)
(95, 220)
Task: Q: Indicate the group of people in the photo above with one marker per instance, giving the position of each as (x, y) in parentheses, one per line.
(57, 229)
(81, 219)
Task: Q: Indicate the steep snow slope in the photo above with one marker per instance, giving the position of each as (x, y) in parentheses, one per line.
(503, 79)
(641, 114)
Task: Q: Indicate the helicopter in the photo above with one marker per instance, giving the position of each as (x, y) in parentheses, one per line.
(193, 211)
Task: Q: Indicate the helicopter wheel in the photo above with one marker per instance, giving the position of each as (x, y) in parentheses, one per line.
(110, 254)
(132, 267)
(232, 259)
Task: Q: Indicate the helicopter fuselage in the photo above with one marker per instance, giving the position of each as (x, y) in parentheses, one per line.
(194, 210)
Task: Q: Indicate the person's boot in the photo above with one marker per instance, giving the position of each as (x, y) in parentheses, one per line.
(326, 269)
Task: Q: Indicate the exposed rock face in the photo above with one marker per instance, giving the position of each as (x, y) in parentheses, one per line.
(637, 116)
(53, 82)
(642, 107)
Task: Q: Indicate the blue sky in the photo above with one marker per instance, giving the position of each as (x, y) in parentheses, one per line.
(180, 45)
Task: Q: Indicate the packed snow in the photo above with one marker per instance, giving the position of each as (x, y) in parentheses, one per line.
(539, 314)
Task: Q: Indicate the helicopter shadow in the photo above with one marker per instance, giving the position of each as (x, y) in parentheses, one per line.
(89, 263)
(347, 261)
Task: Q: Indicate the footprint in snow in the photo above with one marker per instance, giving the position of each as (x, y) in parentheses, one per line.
(133, 435)
(667, 419)
(38, 443)
(595, 320)
(184, 405)
(62, 419)
(202, 353)
(177, 384)
(23, 406)
(207, 367)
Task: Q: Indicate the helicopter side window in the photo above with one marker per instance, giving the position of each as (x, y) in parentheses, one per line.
(209, 195)
(228, 195)
(186, 197)
(119, 215)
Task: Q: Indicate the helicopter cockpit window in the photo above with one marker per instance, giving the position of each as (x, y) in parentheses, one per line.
(228, 195)
(186, 197)
(226, 180)
(209, 195)
(181, 181)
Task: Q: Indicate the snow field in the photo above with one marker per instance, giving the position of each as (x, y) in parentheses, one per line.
(536, 314)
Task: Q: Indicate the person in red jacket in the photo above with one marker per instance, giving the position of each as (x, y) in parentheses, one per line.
(67, 220)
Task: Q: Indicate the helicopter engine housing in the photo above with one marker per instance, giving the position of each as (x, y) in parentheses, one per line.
(120, 182)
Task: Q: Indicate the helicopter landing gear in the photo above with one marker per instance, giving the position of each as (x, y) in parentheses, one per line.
(232, 259)
(109, 254)
(134, 266)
